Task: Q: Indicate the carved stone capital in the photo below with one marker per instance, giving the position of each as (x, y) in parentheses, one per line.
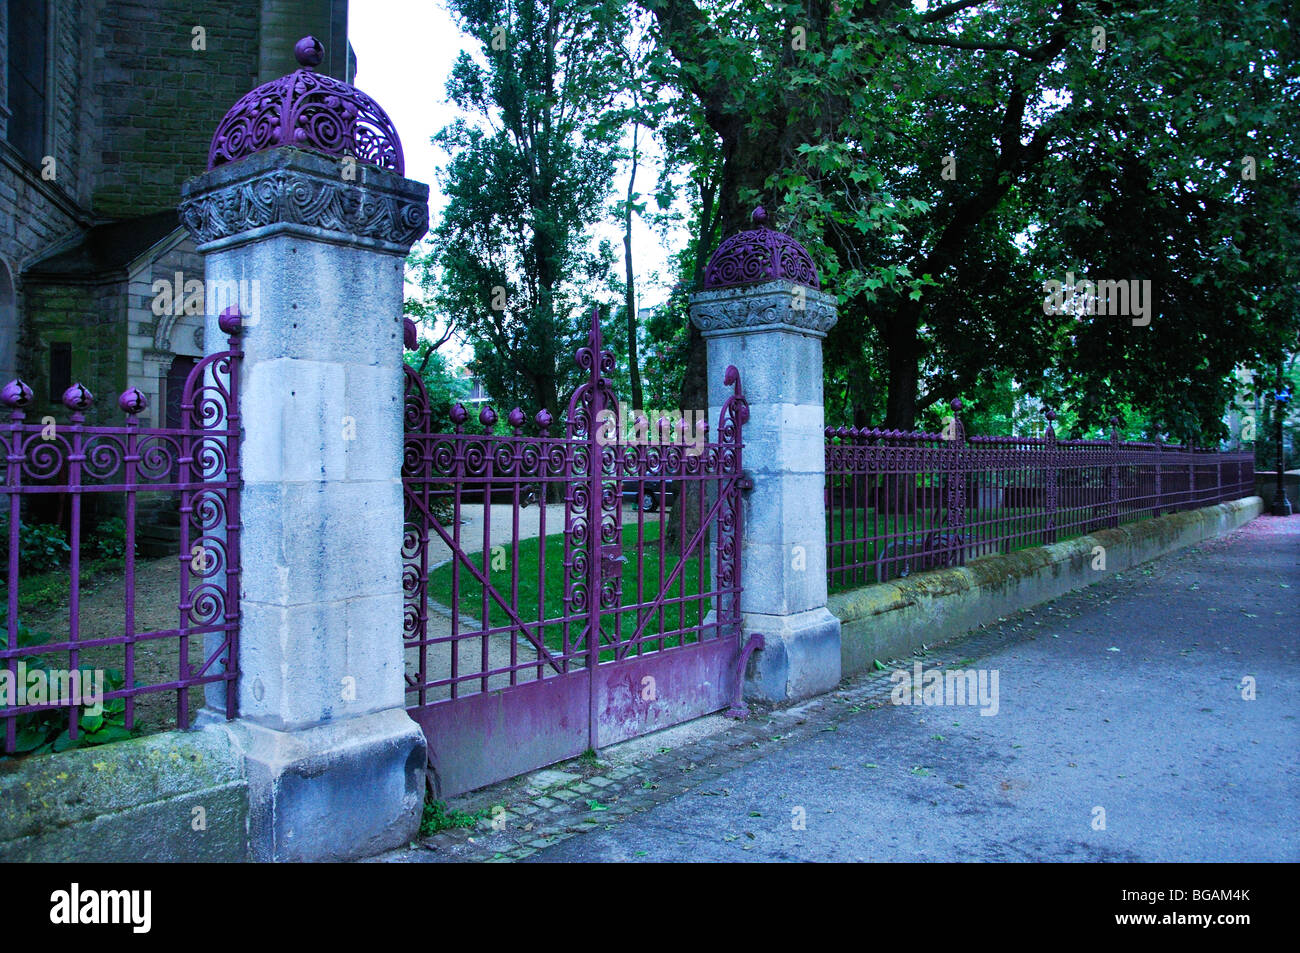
(771, 306)
(289, 190)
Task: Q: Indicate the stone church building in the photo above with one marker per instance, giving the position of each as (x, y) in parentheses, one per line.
(106, 107)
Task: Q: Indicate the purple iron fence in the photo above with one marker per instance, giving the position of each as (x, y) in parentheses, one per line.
(197, 465)
(523, 648)
(898, 502)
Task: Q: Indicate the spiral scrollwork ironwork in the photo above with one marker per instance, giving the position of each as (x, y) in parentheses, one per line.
(308, 110)
(760, 255)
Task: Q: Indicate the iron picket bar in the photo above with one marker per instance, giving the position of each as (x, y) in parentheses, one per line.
(886, 517)
(84, 470)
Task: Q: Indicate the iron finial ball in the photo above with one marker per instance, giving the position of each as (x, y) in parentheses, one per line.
(487, 417)
(1050, 415)
(16, 393)
(544, 419)
(516, 418)
(459, 414)
(956, 404)
(133, 401)
(231, 321)
(758, 255)
(78, 397)
(309, 52)
(308, 110)
(410, 336)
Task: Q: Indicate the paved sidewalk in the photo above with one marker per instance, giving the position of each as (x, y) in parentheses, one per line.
(1125, 697)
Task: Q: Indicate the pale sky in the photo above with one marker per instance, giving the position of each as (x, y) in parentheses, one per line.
(404, 50)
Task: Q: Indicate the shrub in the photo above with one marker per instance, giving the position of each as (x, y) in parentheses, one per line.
(39, 732)
(108, 541)
(42, 547)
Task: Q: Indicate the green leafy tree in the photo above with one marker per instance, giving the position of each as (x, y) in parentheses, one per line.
(531, 165)
(941, 163)
(442, 385)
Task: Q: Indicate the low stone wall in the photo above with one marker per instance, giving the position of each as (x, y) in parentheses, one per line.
(1266, 487)
(893, 619)
(181, 795)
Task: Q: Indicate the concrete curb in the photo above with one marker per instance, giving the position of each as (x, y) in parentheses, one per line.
(892, 619)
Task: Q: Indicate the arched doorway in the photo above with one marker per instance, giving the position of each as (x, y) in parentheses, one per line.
(159, 531)
(177, 375)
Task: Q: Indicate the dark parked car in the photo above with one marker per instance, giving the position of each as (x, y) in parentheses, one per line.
(650, 496)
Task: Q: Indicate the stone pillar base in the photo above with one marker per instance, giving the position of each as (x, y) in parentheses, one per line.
(339, 791)
(800, 658)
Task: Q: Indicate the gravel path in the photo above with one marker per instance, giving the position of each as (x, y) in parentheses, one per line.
(157, 589)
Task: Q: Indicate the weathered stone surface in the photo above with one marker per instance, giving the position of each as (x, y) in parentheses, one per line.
(319, 430)
(287, 190)
(790, 365)
(316, 662)
(771, 332)
(181, 795)
(800, 657)
(772, 305)
(313, 302)
(892, 619)
(348, 789)
(335, 765)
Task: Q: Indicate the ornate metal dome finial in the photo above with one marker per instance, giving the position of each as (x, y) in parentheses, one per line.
(760, 255)
(308, 110)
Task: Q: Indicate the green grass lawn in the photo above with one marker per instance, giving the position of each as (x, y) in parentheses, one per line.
(41, 592)
(669, 620)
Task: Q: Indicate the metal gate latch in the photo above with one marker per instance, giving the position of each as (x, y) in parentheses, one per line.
(611, 560)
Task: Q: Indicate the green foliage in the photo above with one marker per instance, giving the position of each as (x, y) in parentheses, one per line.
(639, 573)
(108, 541)
(42, 547)
(531, 166)
(1260, 394)
(48, 730)
(665, 352)
(442, 386)
(1122, 163)
(443, 389)
(436, 817)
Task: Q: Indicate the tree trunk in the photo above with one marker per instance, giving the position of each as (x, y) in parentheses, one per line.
(901, 339)
(694, 394)
(630, 301)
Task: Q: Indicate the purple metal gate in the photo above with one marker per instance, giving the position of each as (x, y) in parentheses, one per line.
(524, 650)
(193, 465)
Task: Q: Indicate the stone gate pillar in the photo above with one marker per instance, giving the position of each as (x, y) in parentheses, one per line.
(304, 218)
(761, 309)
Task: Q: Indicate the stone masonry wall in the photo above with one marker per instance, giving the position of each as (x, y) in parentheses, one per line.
(154, 340)
(35, 213)
(160, 99)
(92, 318)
